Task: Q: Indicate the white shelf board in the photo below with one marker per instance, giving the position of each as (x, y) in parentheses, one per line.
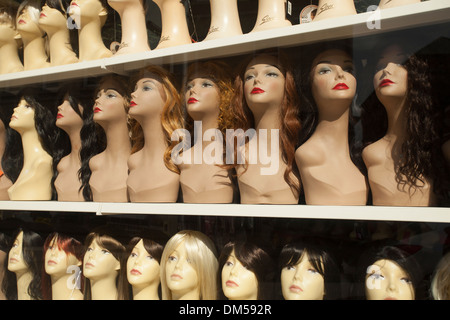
(375, 213)
(403, 17)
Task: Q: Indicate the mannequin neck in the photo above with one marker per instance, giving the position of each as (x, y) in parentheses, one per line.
(334, 125)
(61, 51)
(334, 8)
(118, 141)
(267, 118)
(224, 19)
(91, 42)
(34, 54)
(271, 14)
(154, 139)
(396, 115)
(23, 282)
(134, 29)
(190, 295)
(32, 146)
(174, 29)
(61, 290)
(206, 122)
(148, 292)
(10, 61)
(75, 142)
(104, 289)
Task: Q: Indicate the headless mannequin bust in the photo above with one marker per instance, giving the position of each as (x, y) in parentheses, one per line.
(102, 270)
(271, 14)
(5, 182)
(54, 23)
(204, 182)
(9, 48)
(328, 174)
(384, 156)
(384, 4)
(57, 263)
(143, 273)
(34, 43)
(334, 8)
(224, 20)
(254, 186)
(17, 264)
(67, 183)
(174, 29)
(109, 168)
(148, 102)
(92, 16)
(134, 29)
(34, 181)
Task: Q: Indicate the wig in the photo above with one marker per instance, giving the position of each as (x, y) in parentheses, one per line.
(70, 246)
(255, 259)
(33, 256)
(171, 116)
(203, 258)
(8, 11)
(321, 258)
(421, 153)
(113, 243)
(289, 120)
(309, 113)
(440, 282)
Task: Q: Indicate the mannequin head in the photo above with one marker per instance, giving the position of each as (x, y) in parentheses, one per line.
(281, 97)
(309, 271)
(86, 11)
(25, 256)
(63, 255)
(166, 104)
(440, 282)
(143, 263)
(388, 272)
(53, 15)
(245, 272)
(8, 12)
(402, 90)
(189, 267)
(27, 20)
(105, 258)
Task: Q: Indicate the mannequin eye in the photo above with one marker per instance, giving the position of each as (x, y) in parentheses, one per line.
(313, 271)
(207, 84)
(149, 257)
(289, 268)
(249, 77)
(172, 258)
(272, 74)
(133, 255)
(106, 252)
(229, 264)
(406, 280)
(376, 276)
(324, 70)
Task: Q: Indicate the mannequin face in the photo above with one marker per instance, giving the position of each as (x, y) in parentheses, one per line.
(332, 77)
(26, 23)
(52, 18)
(238, 283)
(67, 117)
(391, 78)
(202, 96)
(23, 117)
(16, 261)
(90, 9)
(148, 98)
(57, 260)
(99, 263)
(7, 30)
(264, 83)
(109, 104)
(386, 280)
(181, 277)
(302, 281)
(142, 268)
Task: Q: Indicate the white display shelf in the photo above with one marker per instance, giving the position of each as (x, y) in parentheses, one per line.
(374, 213)
(398, 18)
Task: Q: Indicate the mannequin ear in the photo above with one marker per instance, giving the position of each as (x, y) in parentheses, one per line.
(17, 36)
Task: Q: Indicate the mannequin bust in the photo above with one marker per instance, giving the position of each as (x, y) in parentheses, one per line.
(134, 28)
(32, 119)
(271, 15)
(245, 271)
(224, 20)
(109, 168)
(440, 284)
(35, 55)
(309, 271)
(398, 152)
(92, 15)
(143, 268)
(390, 273)
(25, 261)
(384, 4)
(266, 101)
(104, 266)
(328, 91)
(327, 9)
(153, 100)
(75, 107)
(54, 22)
(207, 94)
(9, 43)
(174, 30)
(63, 254)
(189, 267)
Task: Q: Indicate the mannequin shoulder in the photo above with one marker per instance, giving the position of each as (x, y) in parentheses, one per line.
(375, 152)
(310, 153)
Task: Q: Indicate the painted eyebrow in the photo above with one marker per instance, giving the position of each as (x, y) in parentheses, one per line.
(326, 61)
